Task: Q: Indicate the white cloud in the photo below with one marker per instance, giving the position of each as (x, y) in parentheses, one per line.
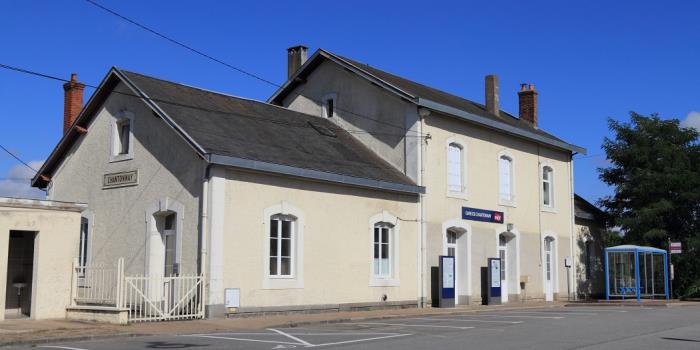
(692, 120)
(16, 182)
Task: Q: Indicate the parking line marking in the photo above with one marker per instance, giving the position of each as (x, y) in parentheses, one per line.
(463, 320)
(59, 347)
(600, 310)
(359, 340)
(411, 325)
(522, 316)
(301, 341)
(553, 313)
(243, 339)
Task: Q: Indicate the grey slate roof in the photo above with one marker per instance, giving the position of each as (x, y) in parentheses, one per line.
(585, 210)
(236, 127)
(420, 94)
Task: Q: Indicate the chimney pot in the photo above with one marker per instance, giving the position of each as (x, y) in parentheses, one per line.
(527, 98)
(492, 99)
(72, 101)
(296, 57)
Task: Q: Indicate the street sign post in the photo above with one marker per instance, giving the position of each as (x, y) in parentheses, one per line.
(675, 248)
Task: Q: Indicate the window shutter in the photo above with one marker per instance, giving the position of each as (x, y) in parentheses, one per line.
(454, 168)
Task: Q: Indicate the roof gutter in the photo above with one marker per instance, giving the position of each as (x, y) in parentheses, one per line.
(313, 174)
(498, 125)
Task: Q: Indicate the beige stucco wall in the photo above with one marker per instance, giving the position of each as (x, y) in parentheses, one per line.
(337, 241)
(531, 222)
(55, 247)
(169, 174)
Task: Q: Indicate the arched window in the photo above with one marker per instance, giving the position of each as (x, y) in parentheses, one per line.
(455, 177)
(547, 187)
(282, 245)
(505, 165)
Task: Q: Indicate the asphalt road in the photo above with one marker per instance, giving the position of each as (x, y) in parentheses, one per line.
(547, 328)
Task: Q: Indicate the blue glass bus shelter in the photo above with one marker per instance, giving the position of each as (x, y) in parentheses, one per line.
(636, 272)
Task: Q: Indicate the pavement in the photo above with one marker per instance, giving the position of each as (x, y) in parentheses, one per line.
(516, 325)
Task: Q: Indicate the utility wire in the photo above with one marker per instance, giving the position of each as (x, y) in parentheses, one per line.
(303, 124)
(228, 65)
(18, 158)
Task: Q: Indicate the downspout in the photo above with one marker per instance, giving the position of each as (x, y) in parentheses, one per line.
(422, 114)
(204, 235)
(572, 274)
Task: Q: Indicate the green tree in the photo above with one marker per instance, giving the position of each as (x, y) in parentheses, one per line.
(655, 173)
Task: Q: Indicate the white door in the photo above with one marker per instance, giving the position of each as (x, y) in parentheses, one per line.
(548, 269)
(503, 254)
(453, 251)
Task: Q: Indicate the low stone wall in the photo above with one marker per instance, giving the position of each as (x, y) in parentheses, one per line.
(98, 314)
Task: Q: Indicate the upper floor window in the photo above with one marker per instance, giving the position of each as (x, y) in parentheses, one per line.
(505, 165)
(455, 178)
(282, 245)
(547, 188)
(329, 105)
(382, 249)
(122, 136)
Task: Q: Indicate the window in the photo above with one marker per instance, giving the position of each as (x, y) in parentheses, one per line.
(169, 240)
(382, 249)
(84, 241)
(122, 136)
(329, 103)
(282, 238)
(547, 189)
(451, 243)
(502, 253)
(123, 130)
(505, 165)
(454, 168)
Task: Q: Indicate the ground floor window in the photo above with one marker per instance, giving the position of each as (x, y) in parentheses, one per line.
(282, 238)
(382, 249)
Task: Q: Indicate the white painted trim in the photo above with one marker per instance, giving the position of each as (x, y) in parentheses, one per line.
(163, 205)
(516, 235)
(375, 281)
(114, 123)
(462, 144)
(552, 183)
(461, 224)
(296, 280)
(512, 202)
(555, 262)
(217, 227)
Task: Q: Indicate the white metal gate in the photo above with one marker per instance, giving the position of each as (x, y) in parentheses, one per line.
(146, 298)
(159, 298)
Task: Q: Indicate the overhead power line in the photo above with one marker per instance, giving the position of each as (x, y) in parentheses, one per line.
(231, 66)
(18, 158)
(301, 124)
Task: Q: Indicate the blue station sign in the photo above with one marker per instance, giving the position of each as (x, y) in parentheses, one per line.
(482, 215)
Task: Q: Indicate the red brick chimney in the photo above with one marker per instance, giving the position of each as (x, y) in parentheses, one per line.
(528, 103)
(72, 101)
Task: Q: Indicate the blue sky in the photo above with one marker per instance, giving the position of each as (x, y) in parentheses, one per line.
(589, 60)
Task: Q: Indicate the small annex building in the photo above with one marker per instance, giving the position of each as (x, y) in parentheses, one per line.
(38, 242)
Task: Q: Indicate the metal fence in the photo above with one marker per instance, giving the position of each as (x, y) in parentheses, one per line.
(146, 298)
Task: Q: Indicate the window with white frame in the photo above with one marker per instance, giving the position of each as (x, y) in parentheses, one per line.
(382, 248)
(505, 166)
(282, 244)
(329, 105)
(547, 187)
(83, 244)
(122, 136)
(455, 176)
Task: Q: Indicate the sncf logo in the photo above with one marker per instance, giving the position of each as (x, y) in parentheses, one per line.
(498, 217)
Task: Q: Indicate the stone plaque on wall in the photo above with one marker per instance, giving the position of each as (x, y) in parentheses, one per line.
(125, 178)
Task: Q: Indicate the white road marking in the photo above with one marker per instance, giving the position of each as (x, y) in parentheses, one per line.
(243, 339)
(410, 325)
(461, 320)
(301, 341)
(521, 316)
(553, 313)
(600, 310)
(59, 347)
(344, 333)
(360, 340)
